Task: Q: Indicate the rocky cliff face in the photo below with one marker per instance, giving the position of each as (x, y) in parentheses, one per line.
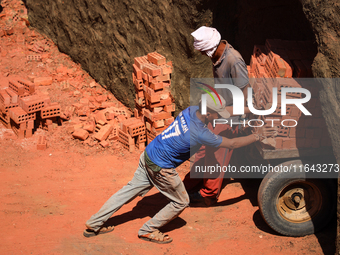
(104, 36)
(324, 16)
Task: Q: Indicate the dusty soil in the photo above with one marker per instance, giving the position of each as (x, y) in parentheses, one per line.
(48, 195)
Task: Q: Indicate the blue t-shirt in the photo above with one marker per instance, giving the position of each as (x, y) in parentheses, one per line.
(186, 134)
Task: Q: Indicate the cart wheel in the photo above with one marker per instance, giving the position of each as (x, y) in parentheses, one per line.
(294, 205)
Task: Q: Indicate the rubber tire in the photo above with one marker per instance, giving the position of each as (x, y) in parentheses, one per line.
(270, 189)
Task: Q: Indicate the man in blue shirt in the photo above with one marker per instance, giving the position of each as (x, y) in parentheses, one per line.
(157, 168)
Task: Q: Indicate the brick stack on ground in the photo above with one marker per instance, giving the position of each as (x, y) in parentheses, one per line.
(272, 63)
(24, 110)
(154, 103)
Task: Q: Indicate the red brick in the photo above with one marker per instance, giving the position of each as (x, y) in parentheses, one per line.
(278, 145)
(104, 144)
(140, 61)
(81, 134)
(100, 116)
(156, 58)
(286, 143)
(170, 108)
(164, 77)
(16, 87)
(160, 103)
(89, 127)
(138, 84)
(259, 70)
(140, 93)
(32, 103)
(156, 109)
(292, 132)
(136, 129)
(28, 133)
(42, 143)
(156, 85)
(152, 69)
(135, 113)
(51, 111)
(166, 69)
(30, 124)
(128, 122)
(29, 86)
(141, 138)
(121, 118)
(158, 123)
(126, 140)
(110, 115)
(13, 95)
(253, 63)
(156, 116)
(279, 67)
(137, 72)
(145, 76)
(168, 121)
(141, 146)
(43, 81)
(103, 133)
(18, 115)
(5, 98)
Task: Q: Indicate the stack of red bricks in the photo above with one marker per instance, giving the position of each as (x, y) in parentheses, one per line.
(132, 134)
(154, 102)
(269, 64)
(23, 110)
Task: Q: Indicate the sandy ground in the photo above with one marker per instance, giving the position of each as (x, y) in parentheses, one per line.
(48, 195)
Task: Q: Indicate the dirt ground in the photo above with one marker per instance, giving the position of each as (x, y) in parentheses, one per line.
(47, 195)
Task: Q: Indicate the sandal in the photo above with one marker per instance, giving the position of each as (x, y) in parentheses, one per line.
(103, 230)
(156, 237)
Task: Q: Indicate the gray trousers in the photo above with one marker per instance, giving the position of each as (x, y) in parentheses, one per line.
(166, 181)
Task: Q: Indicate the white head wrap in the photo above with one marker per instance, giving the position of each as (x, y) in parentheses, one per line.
(206, 39)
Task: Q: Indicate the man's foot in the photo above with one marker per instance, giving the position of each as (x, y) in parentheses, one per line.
(103, 230)
(156, 237)
(196, 198)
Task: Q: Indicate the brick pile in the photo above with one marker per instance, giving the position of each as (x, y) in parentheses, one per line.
(94, 119)
(23, 109)
(154, 102)
(269, 65)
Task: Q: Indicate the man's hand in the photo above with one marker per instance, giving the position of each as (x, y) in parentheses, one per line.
(266, 131)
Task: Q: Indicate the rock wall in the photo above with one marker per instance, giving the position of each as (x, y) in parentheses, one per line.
(324, 16)
(104, 36)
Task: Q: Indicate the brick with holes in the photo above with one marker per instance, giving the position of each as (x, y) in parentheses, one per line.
(29, 86)
(18, 115)
(156, 58)
(41, 143)
(51, 111)
(32, 103)
(103, 132)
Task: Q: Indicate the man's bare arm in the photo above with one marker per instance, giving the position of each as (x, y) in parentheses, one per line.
(238, 141)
